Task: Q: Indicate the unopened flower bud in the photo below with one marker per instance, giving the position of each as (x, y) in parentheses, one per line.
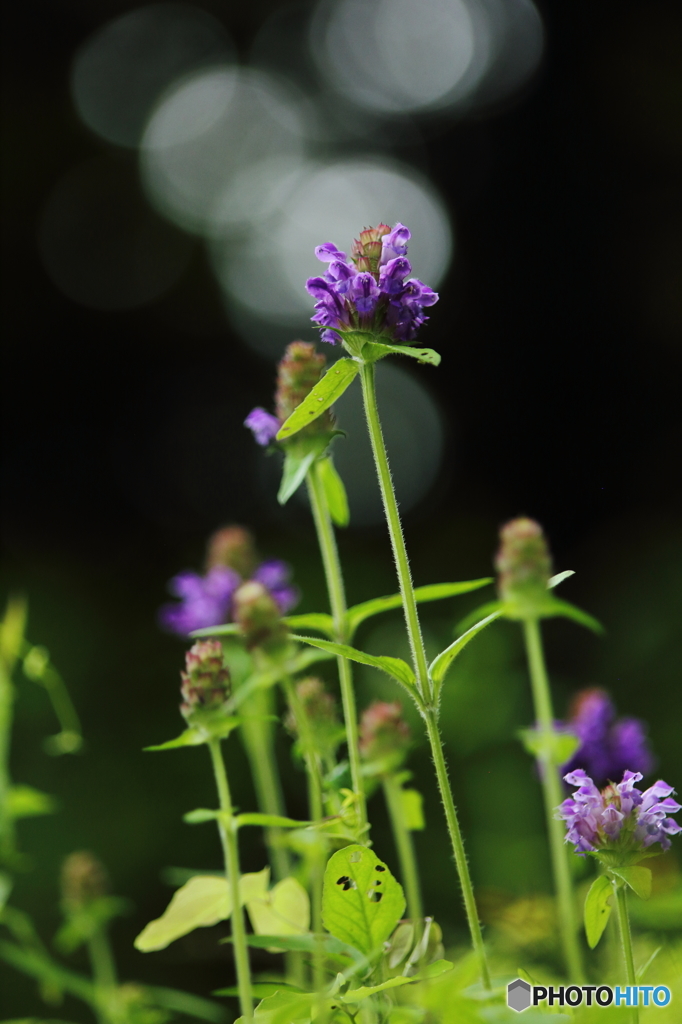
(297, 374)
(384, 733)
(258, 615)
(233, 547)
(206, 683)
(84, 879)
(366, 251)
(319, 707)
(524, 566)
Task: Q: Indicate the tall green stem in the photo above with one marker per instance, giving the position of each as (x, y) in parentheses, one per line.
(228, 838)
(104, 976)
(405, 848)
(420, 661)
(553, 796)
(626, 939)
(337, 602)
(7, 850)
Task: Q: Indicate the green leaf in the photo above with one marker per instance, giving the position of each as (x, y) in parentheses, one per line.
(320, 621)
(260, 989)
(302, 944)
(374, 350)
(227, 629)
(478, 613)
(597, 909)
(639, 880)
(395, 667)
(269, 821)
(86, 922)
(5, 889)
(413, 811)
(296, 466)
(284, 1007)
(200, 903)
(434, 970)
(563, 744)
(361, 900)
(433, 592)
(285, 910)
(330, 388)
(334, 492)
(569, 611)
(307, 657)
(554, 581)
(186, 1003)
(441, 663)
(27, 802)
(189, 738)
(200, 815)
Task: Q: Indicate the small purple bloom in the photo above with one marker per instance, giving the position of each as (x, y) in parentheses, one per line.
(394, 243)
(364, 292)
(204, 600)
(608, 746)
(328, 252)
(275, 575)
(392, 276)
(264, 426)
(620, 819)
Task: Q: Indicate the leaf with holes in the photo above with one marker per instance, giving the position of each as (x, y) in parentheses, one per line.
(432, 592)
(395, 667)
(335, 381)
(361, 900)
(597, 909)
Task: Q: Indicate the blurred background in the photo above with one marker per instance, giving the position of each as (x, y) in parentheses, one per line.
(168, 171)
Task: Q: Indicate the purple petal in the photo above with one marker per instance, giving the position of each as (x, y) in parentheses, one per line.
(263, 425)
(393, 274)
(364, 292)
(328, 252)
(272, 573)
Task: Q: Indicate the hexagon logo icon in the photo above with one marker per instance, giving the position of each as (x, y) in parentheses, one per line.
(518, 995)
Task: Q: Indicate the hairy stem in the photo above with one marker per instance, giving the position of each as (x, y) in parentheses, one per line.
(405, 847)
(553, 796)
(228, 838)
(626, 940)
(337, 602)
(420, 661)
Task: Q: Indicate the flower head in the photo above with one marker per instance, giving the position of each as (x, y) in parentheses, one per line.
(372, 290)
(298, 372)
(206, 683)
(608, 746)
(319, 707)
(384, 734)
(620, 822)
(259, 616)
(233, 547)
(84, 879)
(524, 566)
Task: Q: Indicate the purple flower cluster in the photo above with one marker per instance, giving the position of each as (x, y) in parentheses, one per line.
(371, 291)
(619, 818)
(207, 600)
(608, 746)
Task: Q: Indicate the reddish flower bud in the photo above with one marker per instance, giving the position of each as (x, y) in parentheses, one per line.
(258, 615)
(384, 733)
(297, 374)
(524, 566)
(234, 548)
(206, 683)
(366, 251)
(83, 880)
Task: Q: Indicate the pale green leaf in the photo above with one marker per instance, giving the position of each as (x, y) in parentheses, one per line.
(639, 880)
(307, 657)
(562, 744)
(268, 821)
(81, 925)
(200, 903)
(395, 667)
(284, 910)
(284, 1007)
(320, 621)
(569, 611)
(308, 943)
(188, 738)
(330, 388)
(374, 350)
(441, 663)
(334, 492)
(597, 909)
(413, 811)
(259, 989)
(432, 592)
(27, 802)
(226, 629)
(434, 970)
(554, 581)
(200, 815)
(361, 900)
(295, 469)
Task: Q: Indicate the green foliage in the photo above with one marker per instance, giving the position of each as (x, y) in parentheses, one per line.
(597, 909)
(334, 492)
(27, 802)
(565, 610)
(432, 592)
(413, 810)
(329, 389)
(561, 744)
(375, 350)
(554, 581)
(361, 902)
(638, 879)
(442, 662)
(268, 821)
(84, 923)
(320, 621)
(433, 970)
(395, 667)
(194, 737)
(284, 910)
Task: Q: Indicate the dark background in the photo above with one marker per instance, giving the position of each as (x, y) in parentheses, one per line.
(560, 326)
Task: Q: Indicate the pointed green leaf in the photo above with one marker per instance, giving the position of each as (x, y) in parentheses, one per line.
(442, 662)
(200, 815)
(307, 657)
(186, 1003)
(307, 943)
(285, 910)
(639, 880)
(395, 667)
(334, 492)
(269, 821)
(81, 925)
(27, 802)
(226, 629)
(335, 381)
(432, 592)
(361, 900)
(569, 611)
(200, 903)
(260, 989)
(434, 970)
(374, 350)
(554, 581)
(597, 909)
(320, 621)
(296, 466)
(563, 744)
(188, 738)
(413, 809)
(474, 616)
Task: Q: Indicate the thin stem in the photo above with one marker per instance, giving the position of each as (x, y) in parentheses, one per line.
(553, 796)
(337, 602)
(7, 850)
(405, 847)
(228, 838)
(624, 925)
(104, 975)
(420, 662)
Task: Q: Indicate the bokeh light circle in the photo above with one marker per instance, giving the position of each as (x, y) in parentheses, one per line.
(122, 69)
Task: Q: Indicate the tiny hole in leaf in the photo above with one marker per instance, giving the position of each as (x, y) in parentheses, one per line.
(379, 868)
(346, 882)
(373, 896)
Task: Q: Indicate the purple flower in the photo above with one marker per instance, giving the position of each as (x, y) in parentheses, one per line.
(275, 575)
(369, 292)
(263, 424)
(204, 600)
(620, 820)
(608, 746)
